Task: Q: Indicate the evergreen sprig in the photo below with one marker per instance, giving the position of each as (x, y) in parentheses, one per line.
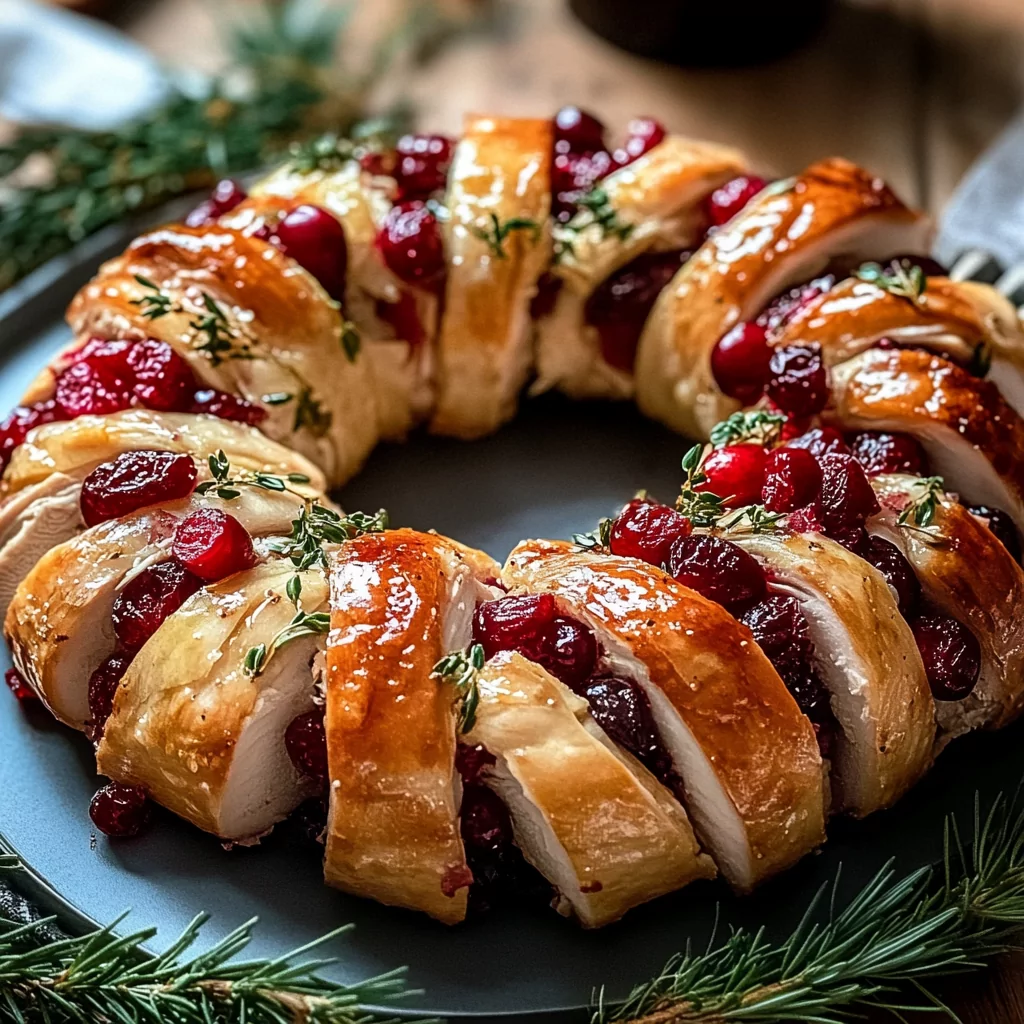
(103, 977)
(879, 953)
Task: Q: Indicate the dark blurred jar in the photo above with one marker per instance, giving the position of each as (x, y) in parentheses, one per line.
(704, 33)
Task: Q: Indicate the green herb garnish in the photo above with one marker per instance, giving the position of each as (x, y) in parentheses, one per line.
(901, 277)
(460, 670)
(758, 426)
(702, 508)
(497, 231)
(920, 510)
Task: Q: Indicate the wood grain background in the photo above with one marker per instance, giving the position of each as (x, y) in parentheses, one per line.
(914, 89)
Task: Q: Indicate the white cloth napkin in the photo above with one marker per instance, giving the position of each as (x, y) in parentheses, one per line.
(57, 67)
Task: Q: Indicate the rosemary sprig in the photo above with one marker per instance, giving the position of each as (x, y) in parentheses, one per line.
(460, 670)
(879, 953)
(597, 539)
(100, 976)
(496, 231)
(702, 508)
(758, 425)
(920, 510)
(302, 624)
(900, 277)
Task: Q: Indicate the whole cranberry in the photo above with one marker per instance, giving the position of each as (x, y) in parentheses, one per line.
(642, 135)
(898, 572)
(735, 473)
(646, 530)
(17, 685)
(725, 202)
(212, 545)
(740, 362)
(305, 739)
(135, 480)
(227, 407)
(103, 684)
(121, 811)
(792, 479)
(618, 308)
(951, 655)
(97, 385)
(316, 241)
(717, 569)
(622, 709)
(162, 378)
(146, 601)
(14, 429)
(580, 130)
(1001, 525)
(532, 626)
(422, 165)
(411, 244)
(226, 195)
(879, 452)
(820, 441)
(798, 380)
(847, 498)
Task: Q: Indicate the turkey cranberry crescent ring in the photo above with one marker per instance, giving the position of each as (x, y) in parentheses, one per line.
(688, 690)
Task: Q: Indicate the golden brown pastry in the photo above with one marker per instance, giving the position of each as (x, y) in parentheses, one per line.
(399, 601)
(278, 334)
(588, 816)
(973, 439)
(657, 203)
(747, 757)
(58, 625)
(202, 734)
(865, 654)
(784, 236)
(498, 240)
(966, 573)
(39, 493)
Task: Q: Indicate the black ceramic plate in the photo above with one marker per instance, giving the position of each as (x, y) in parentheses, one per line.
(557, 469)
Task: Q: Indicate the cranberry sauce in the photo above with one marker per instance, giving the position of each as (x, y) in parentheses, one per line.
(501, 875)
(305, 739)
(619, 307)
(569, 650)
(17, 685)
(104, 377)
(780, 629)
(951, 655)
(134, 480)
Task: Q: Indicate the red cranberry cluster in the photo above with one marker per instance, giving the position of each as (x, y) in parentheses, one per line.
(104, 377)
(582, 158)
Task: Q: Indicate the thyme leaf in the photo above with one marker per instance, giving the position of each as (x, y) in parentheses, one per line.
(317, 525)
(226, 486)
(757, 519)
(460, 670)
(759, 426)
(900, 277)
(497, 231)
(702, 508)
(156, 302)
(920, 510)
(310, 414)
(595, 207)
(597, 539)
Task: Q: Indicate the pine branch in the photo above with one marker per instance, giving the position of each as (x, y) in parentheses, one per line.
(880, 952)
(103, 977)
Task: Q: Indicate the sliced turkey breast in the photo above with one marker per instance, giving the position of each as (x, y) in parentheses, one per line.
(58, 625)
(401, 366)
(748, 759)
(973, 439)
(498, 244)
(967, 574)
(866, 655)
(969, 323)
(400, 600)
(202, 734)
(657, 203)
(588, 816)
(278, 334)
(783, 237)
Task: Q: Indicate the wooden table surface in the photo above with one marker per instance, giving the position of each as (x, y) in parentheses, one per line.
(914, 89)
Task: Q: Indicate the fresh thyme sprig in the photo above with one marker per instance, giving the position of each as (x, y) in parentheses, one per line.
(879, 953)
(702, 508)
(310, 414)
(755, 518)
(155, 302)
(302, 624)
(496, 231)
(595, 207)
(927, 497)
(100, 976)
(460, 670)
(597, 539)
(900, 277)
(758, 425)
(317, 525)
(226, 486)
